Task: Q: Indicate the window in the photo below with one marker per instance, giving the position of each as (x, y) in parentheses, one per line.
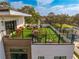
(60, 57)
(10, 26)
(40, 57)
(19, 56)
(18, 53)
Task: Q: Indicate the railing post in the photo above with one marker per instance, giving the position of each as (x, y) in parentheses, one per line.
(22, 34)
(73, 38)
(46, 37)
(59, 38)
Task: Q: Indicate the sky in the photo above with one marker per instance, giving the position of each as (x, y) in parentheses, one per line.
(44, 7)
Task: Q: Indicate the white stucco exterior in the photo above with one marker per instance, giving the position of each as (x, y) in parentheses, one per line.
(19, 21)
(9, 15)
(2, 53)
(2, 26)
(49, 51)
(4, 13)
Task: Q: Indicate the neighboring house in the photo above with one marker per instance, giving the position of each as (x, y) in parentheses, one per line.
(76, 49)
(9, 21)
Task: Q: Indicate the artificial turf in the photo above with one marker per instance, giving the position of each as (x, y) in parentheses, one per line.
(27, 33)
(45, 34)
(48, 34)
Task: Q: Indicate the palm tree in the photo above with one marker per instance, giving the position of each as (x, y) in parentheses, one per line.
(5, 5)
(35, 15)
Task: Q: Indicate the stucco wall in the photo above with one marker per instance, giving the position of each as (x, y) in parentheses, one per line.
(49, 51)
(2, 25)
(20, 20)
(2, 29)
(10, 43)
(2, 54)
(9, 18)
(4, 12)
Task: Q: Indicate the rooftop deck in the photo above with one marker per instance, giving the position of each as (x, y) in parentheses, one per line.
(37, 35)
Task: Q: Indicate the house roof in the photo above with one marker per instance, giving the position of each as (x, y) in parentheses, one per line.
(8, 12)
(12, 12)
(9, 15)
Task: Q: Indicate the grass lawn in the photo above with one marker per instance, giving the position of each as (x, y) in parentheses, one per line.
(48, 34)
(65, 26)
(45, 34)
(27, 33)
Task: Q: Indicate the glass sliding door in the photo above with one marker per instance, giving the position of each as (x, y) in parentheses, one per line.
(10, 26)
(19, 56)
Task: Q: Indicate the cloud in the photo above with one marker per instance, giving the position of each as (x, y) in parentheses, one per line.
(2, 0)
(18, 4)
(42, 10)
(44, 2)
(71, 9)
(41, 6)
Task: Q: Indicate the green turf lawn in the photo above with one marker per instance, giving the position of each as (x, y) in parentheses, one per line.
(48, 34)
(65, 26)
(27, 33)
(45, 34)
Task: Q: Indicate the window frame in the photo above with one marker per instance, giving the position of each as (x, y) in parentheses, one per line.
(60, 57)
(41, 57)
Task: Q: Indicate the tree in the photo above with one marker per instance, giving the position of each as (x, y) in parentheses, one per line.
(76, 20)
(27, 9)
(61, 19)
(35, 15)
(51, 18)
(5, 5)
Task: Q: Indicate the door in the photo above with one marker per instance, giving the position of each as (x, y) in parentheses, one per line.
(10, 26)
(19, 56)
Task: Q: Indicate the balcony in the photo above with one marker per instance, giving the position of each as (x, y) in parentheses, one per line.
(37, 35)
